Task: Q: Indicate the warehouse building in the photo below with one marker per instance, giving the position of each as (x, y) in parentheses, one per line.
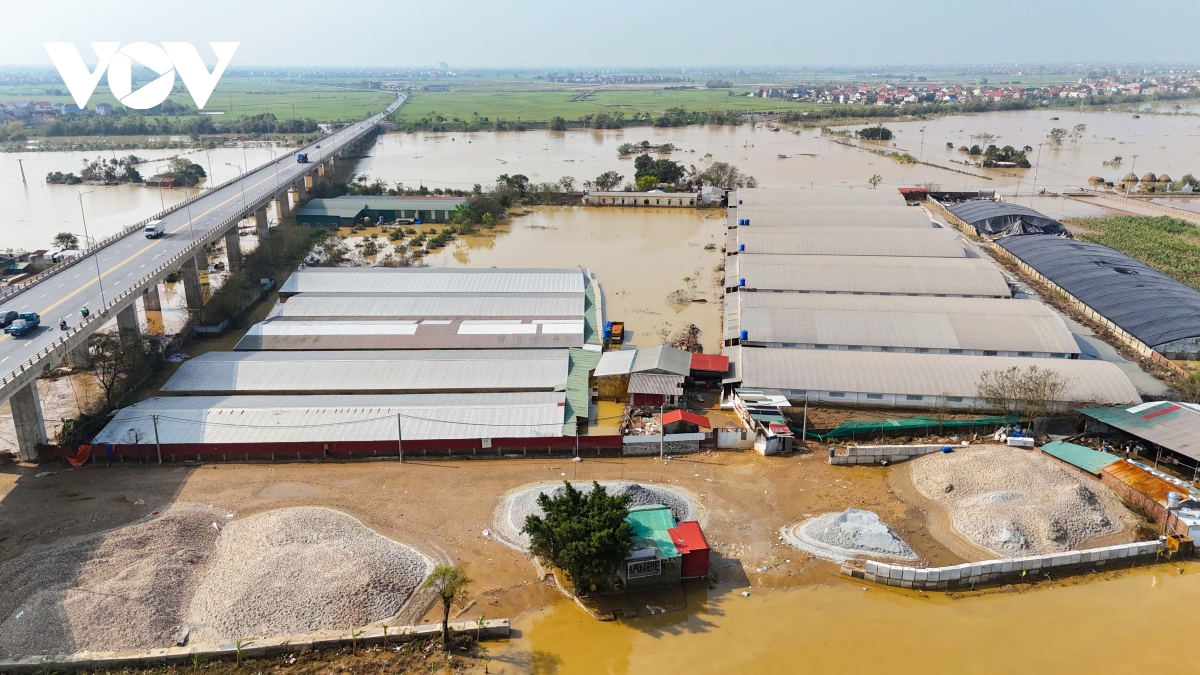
(653, 198)
(911, 380)
(777, 216)
(859, 241)
(989, 218)
(370, 307)
(283, 334)
(836, 197)
(650, 376)
(1167, 430)
(920, 325)
(348, 209)
(390, 281)
(1148, 310)
(949, 277)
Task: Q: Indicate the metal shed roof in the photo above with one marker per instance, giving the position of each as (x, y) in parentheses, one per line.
(655, 383)
(928, 243)
(283, 419)
(407, 280)
(1142, 301)
(972, 277)
(283, 334)
(331, 207)
(659, 358)
(918, 374)
(777, 216)
(371, 371)
(1003, 218)
(817, 196)
(508, 305)
(918, 330)
(1171, 425)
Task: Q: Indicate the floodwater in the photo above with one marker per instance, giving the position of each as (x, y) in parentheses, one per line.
(840, 627)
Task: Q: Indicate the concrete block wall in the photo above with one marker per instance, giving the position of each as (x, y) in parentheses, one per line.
(668, 447)
(874, 454)
(986, 572)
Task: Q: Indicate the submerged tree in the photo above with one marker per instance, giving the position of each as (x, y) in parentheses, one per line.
(583, 534)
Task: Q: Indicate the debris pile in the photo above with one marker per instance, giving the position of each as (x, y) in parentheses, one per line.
(850, 534)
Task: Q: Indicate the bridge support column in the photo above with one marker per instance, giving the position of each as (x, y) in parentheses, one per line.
(127, 323)
(233, 247)
(151, 300)
(283, 205)
(191, 284)
(310, 181)
(301, 193)
(260, 223)
(80, 357)
(28, 420)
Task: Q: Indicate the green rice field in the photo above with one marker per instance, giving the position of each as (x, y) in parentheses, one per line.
(1169, 245)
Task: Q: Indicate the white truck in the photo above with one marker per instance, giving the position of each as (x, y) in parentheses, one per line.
(155, 229)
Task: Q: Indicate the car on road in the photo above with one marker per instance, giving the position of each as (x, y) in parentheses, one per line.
(7, 318)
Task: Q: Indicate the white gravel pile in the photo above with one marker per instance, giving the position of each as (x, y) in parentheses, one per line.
(510, 515)
(301, 570)
(126, 589)
(850, 534)
(1015, 502)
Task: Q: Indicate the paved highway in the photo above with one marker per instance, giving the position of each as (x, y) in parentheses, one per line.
(124, 262)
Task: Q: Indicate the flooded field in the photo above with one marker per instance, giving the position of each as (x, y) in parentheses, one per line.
(841, 627)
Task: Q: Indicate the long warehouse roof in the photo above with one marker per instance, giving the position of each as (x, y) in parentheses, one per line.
(1174, 426)
(371, 371)
(411, 334)
(444, 305)
(929, 243)
(1004, 218)
(918, 374)
(817, 196)
(918, 330)
(424, 280)
(791, 216)
(293, 419)
(736, 303)
(972, 277)
(1144, 302)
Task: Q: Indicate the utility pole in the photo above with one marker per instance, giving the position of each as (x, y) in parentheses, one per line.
(154, 419)
(1036, 166)
(400, 438)
(22, 163)
(662, 431)
(804, 425)
(95, 254)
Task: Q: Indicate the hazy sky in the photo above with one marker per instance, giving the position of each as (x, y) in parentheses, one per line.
(539, 33)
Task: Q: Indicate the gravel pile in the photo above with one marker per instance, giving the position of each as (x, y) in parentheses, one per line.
(126, 589)
(510, 516)
(849, 534)
(301, 570)
(1016, 502)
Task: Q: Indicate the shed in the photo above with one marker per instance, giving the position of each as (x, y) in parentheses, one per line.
(710, 363)
(1081, 457)
(693, 547)
(654, 560)
(1001, 219)
(1171, 426)
(654, 389)
(682, 421)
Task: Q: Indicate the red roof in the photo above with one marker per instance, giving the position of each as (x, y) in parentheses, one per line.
(710, 363)
(685, 416)
(688, 537)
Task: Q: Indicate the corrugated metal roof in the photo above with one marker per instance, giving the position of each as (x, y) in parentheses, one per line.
(371, 371)
(794, 217)
(582, 363)
(661, 358)
(283, 419)
(387, 280)
(331, 207)
(652, 523)
(532, 305)
(673, 416)
(859, 241)
(1170, 425)
(1144, 302)
(710, 363)
(918, 374)
(817, 196)
(615, 363)
(349, 206)
(688, 537)
(1142, 481)
(1083, 457)
(867, 274)
(654, 383)
(284, 334)
(928, 330)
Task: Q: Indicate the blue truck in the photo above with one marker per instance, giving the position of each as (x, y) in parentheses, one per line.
(25, 323)
(302, 158)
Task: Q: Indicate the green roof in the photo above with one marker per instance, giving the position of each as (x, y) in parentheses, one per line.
(1085, 458)
(581, 364)
(592, 334)
(349, 206)
(650, 524)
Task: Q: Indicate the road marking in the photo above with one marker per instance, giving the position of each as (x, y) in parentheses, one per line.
(3, 359)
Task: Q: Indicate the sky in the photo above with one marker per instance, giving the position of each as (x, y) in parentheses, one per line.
(622, 34)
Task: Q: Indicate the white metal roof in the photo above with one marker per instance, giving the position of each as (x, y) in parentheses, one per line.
(875, 241)
(615, 363)
(655, 383)
(308, 334)
(972, 277)
(776, 216)
(284, 419)
(659, 358)
(427, 280)
(371, 371)
(308, 305)
(919, 374)
(818, 196)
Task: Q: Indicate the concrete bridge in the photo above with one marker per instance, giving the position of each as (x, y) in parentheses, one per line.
(114, 274)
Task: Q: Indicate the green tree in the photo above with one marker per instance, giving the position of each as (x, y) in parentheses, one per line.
(646, 183)
(557, 123)
(726, 176)
(1057, 136)
(664, 169)
(606, 182)
(583, 534)
(66, 240)
(876, 133)
(447, 582)
(875, 180)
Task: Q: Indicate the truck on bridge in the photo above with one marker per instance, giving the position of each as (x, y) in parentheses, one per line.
(155, 229)
(26, 322)
(302, 157)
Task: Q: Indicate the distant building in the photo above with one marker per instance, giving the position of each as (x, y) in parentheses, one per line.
(436, 87)
(652, 198)
(345, 210)
(664, 551)
(104, 109)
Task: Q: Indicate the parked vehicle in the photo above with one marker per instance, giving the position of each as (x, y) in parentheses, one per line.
(26, 321)
(6, 318)
(302, 158)
(155, 229)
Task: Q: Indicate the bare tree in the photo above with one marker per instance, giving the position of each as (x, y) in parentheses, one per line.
(1029, 392)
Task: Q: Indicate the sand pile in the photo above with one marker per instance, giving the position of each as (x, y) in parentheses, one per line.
(1016, 502)
(849, 534)
(300, 570)
(121, 590)
(509, 517)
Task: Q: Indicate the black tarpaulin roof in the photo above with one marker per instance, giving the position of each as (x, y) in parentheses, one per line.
(1144, 302)
(1001, 218)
